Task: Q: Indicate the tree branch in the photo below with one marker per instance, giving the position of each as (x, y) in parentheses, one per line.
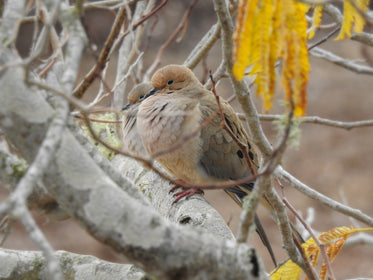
(16, 264)
(335, 205)
(203, 46)
(345, 63)
(317, 120)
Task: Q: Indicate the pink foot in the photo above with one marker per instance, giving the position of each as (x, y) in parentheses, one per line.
(174, 188)
(185, 193)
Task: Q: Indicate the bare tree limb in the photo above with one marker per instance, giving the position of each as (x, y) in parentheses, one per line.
(317, 120)
(203, 46)
(16, 264)
(339, 207)
(195, 211)
(345, 63)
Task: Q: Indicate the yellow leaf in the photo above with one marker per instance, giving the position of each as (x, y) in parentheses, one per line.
(316, 20)
(242, 37)
(338, 235)
(352, 18)
(288, 270)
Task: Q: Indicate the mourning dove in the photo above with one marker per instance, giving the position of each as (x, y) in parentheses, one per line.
(132, 143)
(172, 115)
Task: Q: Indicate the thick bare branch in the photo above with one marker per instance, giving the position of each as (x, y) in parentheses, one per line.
(83, 267)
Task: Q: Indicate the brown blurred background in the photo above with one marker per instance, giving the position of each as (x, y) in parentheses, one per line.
(332, 161)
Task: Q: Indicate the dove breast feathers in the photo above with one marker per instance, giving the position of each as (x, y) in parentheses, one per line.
(131, 139)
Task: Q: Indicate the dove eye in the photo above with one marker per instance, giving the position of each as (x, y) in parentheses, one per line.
(170, 82)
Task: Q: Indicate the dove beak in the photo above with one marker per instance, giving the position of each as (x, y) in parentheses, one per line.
(127, 106)
(150, 93)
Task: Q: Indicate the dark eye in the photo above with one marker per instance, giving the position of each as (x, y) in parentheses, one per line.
(141, 97)
(170, 82)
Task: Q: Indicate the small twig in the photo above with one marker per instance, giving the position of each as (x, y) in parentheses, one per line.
(309, 229)
(150, 163)
(117, 25)
(49, 19)
(106, 3)
(360, 239)
(95, 120)
(203, 47)
(317, 120)
(337, 16)
(310, 192)
(206, 72)
(218, 74)
(102, 60)
(345, 63)
(129, 54)
(247, 214)
(289, 239)
(324, 39)
(143, 19)
(242, 146)
(183, 23)
(130, 70)
(104, 88)
(307, 263)
(156, 9)
(5, 228)
(72, 100)
(37, 17)
(182, 140)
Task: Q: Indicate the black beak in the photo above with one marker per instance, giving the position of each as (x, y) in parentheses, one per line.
(126, 107)
(150, 93)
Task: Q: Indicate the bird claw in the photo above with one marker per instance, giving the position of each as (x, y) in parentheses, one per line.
(174, 188)
(185, 193)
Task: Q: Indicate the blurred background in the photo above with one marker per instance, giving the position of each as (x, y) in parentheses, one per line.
(333, 161)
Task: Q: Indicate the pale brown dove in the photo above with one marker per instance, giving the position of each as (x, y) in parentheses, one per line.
(131, 139)
(175, 109)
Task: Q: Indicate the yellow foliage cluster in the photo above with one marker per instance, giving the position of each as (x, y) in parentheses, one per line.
(269, 30)
(333, 239)
(353, 18)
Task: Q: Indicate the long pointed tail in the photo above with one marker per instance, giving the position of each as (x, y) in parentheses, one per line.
(263, 236)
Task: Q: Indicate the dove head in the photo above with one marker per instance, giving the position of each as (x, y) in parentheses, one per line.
(137, 94)
(172, 78)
